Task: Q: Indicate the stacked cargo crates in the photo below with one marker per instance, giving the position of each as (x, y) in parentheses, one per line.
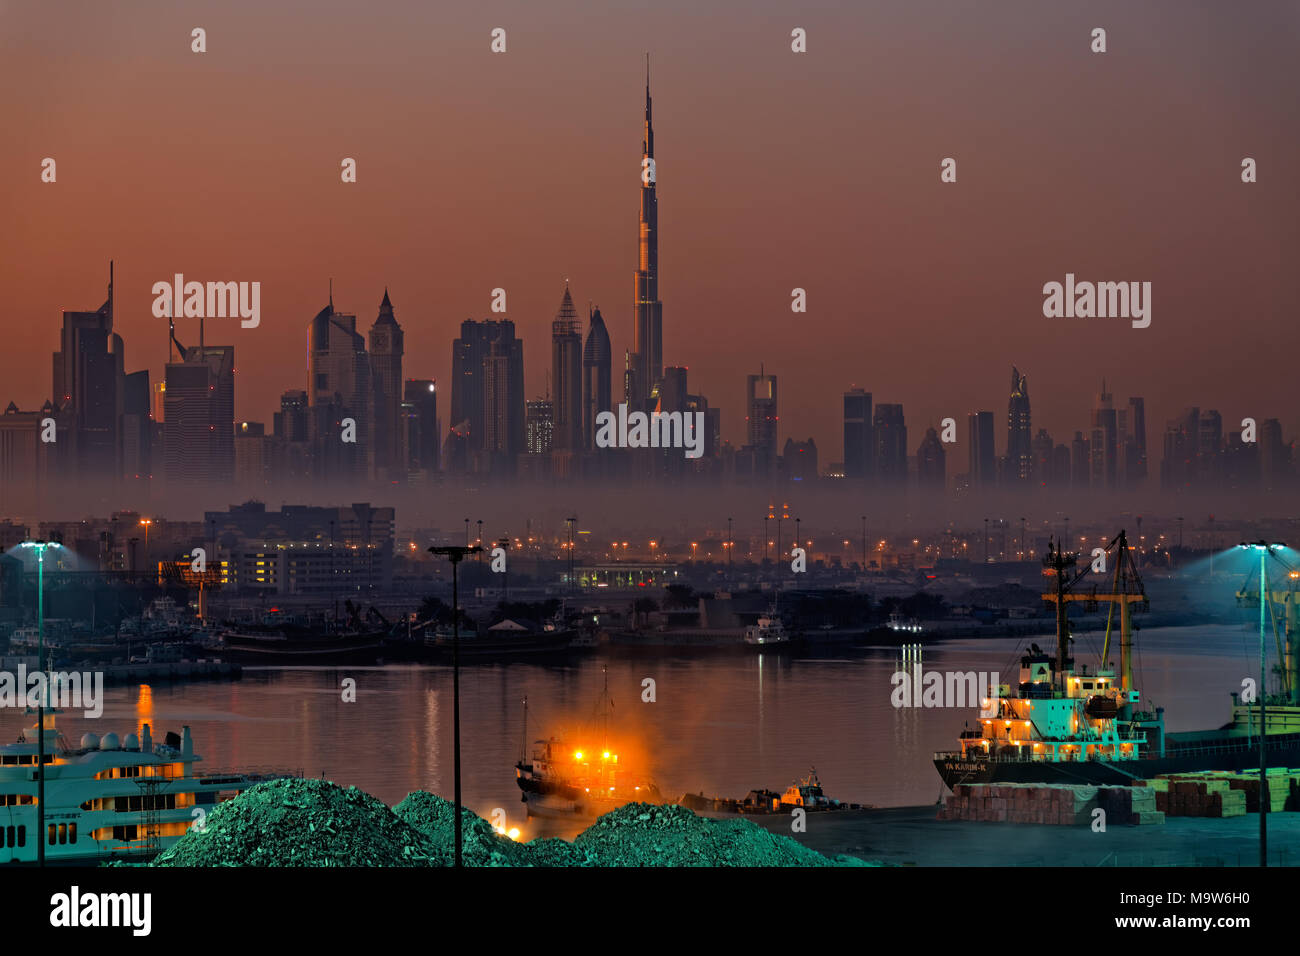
(1050, 804)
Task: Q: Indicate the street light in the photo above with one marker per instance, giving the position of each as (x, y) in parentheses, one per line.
(40, 547)
(1264, 550)
(454, 554)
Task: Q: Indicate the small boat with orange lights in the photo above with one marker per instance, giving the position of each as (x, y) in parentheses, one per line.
(584, 775)
(563, 780)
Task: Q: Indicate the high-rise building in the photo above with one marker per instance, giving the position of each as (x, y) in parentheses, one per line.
(483, 345)
(1179, 463)
(503, 404)
(1135, 444)
(761, 419)
(24, 458)
(252, 455)
(597, 384)
(136, 427)
(199, 431)
(1274, 456)
(647, 317)
(339, 388)
(858, 445)
(1080, 462)
(290, 422)
(1020, 454)
(799, 460)
(89, 387)
(931, 468)
(1043, 448)
(566, 375)
(420, 425)
(1209, 448)
(539, 416)
(673, 389)
(386, 350)
(891, 444)
(1103, 444)
(982, 466)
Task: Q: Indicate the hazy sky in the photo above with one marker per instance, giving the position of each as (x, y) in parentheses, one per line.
(818, 170)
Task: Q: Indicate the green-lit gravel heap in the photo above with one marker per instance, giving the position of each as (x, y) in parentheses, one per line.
(302, 823)
(317, 823)
(433, 818)
(643, 834)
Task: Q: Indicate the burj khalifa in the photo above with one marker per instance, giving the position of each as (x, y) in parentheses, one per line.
(646, 363)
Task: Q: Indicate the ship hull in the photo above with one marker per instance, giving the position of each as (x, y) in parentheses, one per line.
(504, 648)
(304, 651)
(543, 798)
(1282, 751)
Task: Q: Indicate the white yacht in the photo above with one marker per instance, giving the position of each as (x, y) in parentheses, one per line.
(126, 798)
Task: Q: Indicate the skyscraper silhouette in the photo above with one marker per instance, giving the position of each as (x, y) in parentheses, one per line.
(566, 375)
(1020, 452)
(597, 381)
(386, 349)
(647, 317)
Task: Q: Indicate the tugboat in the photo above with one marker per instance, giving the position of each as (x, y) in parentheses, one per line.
(769, 630)
(1066, 725)
(580, 777)
(806, 793)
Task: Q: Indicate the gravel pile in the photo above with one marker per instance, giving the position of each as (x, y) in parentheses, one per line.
(296, 822)
(434, 819)
(643, 834)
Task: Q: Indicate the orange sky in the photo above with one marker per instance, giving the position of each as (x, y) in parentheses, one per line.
(775, 170)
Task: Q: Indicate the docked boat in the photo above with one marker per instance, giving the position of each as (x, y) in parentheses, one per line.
(768, 630)
(503, 640)
(281, 639)
(805, 793)
(900, 623)
(1065, 724)
(108, 798)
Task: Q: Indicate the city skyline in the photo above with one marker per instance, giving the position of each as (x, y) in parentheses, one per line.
(881, 307)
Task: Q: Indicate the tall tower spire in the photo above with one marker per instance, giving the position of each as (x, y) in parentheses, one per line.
(647, 316)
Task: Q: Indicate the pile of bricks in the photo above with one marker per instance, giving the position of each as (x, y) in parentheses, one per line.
(1197, 795)
(1050, 804)
(1225, 793)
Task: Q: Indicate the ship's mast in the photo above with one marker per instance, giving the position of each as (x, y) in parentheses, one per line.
(604, 711)
(523, 743)
(1127, 589)
(1059, 562)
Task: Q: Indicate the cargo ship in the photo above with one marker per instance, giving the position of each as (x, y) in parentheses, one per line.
(1062, 724)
